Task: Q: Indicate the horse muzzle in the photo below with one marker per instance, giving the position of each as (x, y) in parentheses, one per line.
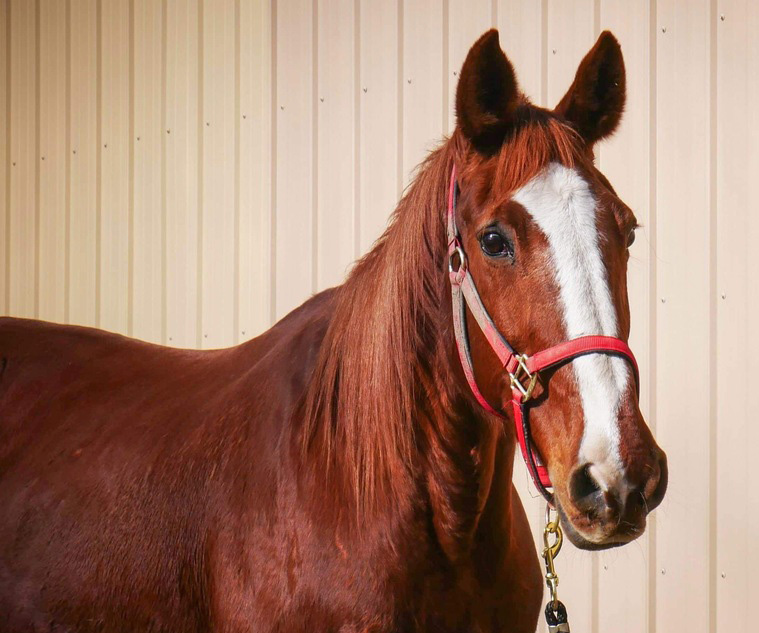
(599, 514)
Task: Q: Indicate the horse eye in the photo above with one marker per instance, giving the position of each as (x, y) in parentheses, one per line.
(630, 238)
(494, 244)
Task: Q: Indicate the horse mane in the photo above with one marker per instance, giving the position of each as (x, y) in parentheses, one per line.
(374, 367)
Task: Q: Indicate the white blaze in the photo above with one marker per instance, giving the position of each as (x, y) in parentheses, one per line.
(562, 205)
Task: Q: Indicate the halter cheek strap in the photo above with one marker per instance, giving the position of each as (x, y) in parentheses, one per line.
(523, 370)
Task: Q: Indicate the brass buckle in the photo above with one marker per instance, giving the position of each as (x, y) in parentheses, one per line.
(550, 552)
(522, 373)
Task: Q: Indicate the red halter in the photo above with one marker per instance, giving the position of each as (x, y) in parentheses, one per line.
(522, 369)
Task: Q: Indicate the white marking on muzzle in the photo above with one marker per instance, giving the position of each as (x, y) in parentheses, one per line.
(562, 205)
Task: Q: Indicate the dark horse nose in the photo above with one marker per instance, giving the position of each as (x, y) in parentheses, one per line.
(636, 494)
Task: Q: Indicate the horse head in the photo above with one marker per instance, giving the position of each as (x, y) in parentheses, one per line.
(546, 241)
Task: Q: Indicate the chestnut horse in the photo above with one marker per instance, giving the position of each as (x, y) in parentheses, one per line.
(337, 472)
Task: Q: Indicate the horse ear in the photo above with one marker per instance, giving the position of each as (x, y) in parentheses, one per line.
(596, 99)
(487, 95)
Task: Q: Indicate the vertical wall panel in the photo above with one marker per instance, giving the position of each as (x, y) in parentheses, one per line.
(181, 139)
(625, 160)
(336, 103)
(422, 81)
(219, 208)
(115, 169)
(52, 162)
(467, 20)
(685, 379)
(520, 25)
(23, 144)
(295, 154)
(147, 242)
(570, 34)
(379, 171)
(5, 77)
(254, 233)
(737, 299)
(83, 174)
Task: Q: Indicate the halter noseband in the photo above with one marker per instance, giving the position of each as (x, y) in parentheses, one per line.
(523, 370)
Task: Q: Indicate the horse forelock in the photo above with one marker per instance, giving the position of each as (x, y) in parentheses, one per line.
(537, 139)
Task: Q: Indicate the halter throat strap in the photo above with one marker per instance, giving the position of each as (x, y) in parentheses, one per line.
(523, 370)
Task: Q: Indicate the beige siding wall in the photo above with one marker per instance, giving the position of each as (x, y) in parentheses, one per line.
(188, 171)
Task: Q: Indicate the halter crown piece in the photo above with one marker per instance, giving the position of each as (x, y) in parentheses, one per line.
(523, 370)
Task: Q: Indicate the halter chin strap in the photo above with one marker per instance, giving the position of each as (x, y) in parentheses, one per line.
(523, 370)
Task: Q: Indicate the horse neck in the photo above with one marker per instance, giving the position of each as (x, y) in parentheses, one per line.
(388, 408)
(469, 457)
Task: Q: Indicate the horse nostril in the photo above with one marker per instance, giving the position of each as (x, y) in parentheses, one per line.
(657, 484)
(644, 497)
(585, 492)
(583, 484)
